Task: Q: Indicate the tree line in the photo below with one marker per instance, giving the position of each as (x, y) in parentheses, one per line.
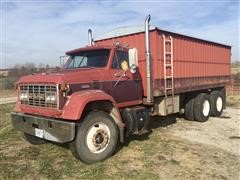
(20, 70)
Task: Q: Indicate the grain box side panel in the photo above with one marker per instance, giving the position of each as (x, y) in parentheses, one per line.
(197, 64)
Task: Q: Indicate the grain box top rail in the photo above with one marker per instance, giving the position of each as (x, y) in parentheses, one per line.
(124, 31)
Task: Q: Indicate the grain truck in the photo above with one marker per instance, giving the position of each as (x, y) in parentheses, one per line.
(109, 89)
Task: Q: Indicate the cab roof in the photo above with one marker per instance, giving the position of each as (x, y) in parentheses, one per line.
(87, 48)
(128, 30)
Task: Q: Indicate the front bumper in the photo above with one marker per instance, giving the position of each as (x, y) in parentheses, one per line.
(50, 129)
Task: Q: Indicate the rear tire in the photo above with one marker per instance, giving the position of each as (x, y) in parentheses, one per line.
(33, 140)
(217, 103)
(96, 138)
(202, 107)
(188, 109)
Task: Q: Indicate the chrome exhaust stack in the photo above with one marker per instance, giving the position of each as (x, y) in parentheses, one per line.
(90, 38)
(148, 63)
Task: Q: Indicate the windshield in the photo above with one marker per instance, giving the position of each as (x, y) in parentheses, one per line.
(93, 58)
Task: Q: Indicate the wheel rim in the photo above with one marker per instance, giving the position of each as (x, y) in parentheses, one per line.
(206, 108)
(98, 137)
(219, 104)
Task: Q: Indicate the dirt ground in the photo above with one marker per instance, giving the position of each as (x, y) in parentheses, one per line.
(222, 133)
(211, 149)
(175, 149)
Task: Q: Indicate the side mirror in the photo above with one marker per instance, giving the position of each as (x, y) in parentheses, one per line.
(133, 68)
(132, 55)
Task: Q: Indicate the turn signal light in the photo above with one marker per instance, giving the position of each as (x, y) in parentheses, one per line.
(65, 89)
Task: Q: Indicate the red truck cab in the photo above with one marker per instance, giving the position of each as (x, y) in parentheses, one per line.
(99, 78)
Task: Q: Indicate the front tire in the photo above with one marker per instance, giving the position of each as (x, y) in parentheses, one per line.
(201, 107)
(96, 138)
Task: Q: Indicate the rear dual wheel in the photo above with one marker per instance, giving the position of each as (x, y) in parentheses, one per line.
(201, 107)
(217, 102)
(188, 110)
(198, 108)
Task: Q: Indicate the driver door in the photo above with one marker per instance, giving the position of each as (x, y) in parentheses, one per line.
(126, 86)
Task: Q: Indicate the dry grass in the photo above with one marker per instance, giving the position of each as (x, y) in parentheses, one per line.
(7, 92)
(153, 156)
(235, 67)
(233, 100)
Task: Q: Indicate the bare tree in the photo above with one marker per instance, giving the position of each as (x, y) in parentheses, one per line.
(16, 72)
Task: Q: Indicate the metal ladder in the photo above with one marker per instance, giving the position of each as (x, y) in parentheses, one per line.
(168, 74)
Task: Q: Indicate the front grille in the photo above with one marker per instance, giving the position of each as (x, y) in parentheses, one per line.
(36, 95)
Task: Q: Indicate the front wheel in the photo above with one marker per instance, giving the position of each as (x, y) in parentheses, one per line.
(96, 138)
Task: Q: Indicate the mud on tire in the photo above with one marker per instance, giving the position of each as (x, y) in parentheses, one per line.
(96, 138)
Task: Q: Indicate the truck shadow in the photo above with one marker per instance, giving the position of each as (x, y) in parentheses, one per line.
(155, 122)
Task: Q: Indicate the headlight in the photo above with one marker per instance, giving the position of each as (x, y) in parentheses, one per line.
(50, 97)
(23, 96)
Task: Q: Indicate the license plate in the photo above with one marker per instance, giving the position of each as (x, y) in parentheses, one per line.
(39, 132)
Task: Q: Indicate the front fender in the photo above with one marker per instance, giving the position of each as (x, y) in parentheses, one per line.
(75, 105)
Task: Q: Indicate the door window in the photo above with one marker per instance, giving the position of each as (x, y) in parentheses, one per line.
(121, 60)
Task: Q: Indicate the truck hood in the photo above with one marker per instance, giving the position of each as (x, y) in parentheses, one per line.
(65, 76)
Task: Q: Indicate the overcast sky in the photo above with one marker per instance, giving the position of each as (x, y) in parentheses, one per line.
(41, 31)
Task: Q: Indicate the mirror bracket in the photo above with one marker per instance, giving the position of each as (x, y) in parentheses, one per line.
(133, 68)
